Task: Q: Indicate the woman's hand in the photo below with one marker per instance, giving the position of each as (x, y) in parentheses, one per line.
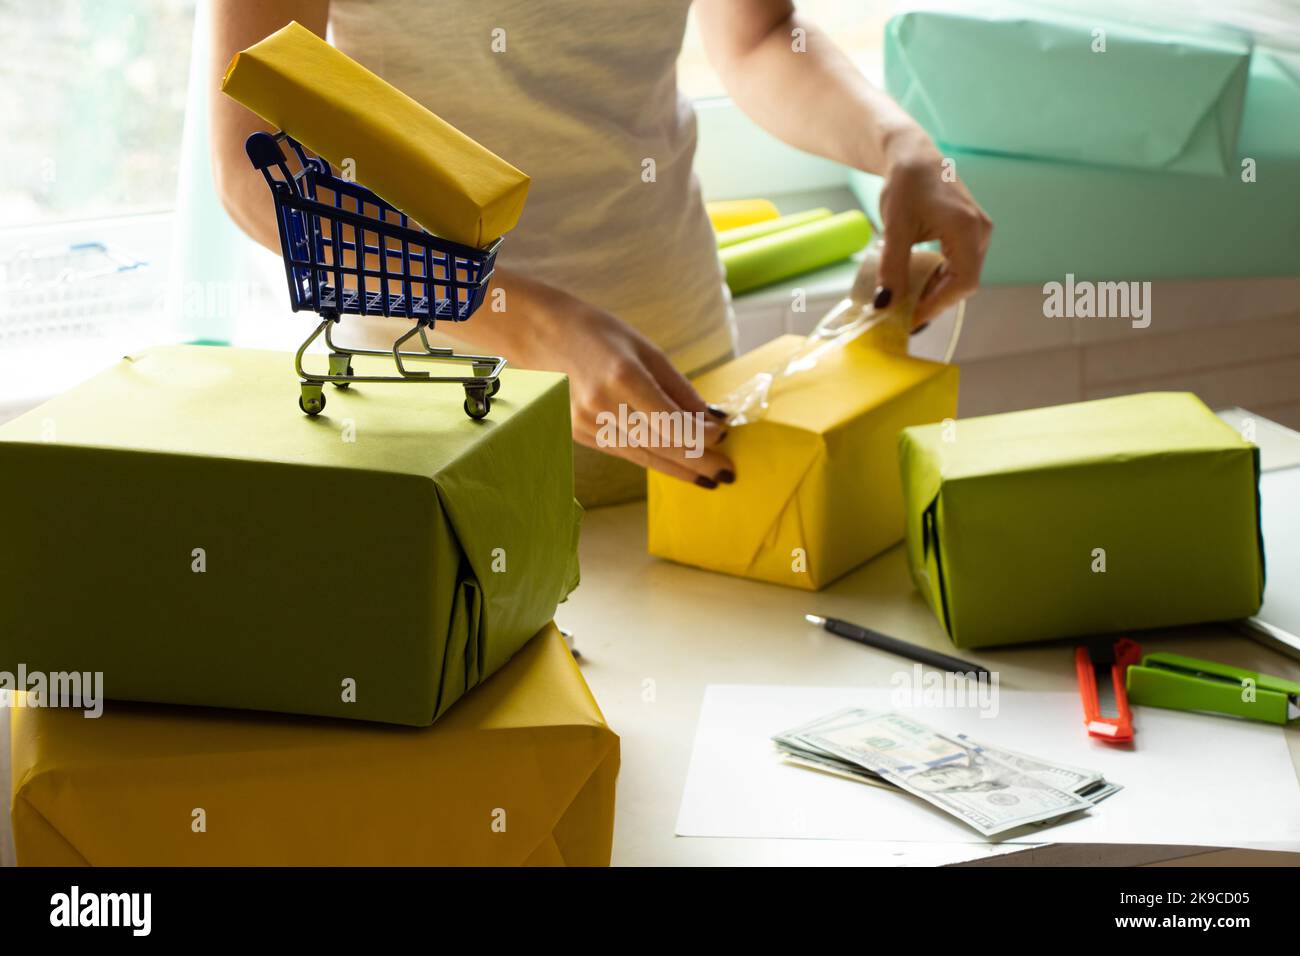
(616, 375)
(922, 200)
(816, 99)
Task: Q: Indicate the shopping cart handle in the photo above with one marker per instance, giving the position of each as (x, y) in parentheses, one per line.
(264, 150)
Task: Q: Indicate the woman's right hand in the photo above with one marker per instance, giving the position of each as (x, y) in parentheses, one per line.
(611, 367)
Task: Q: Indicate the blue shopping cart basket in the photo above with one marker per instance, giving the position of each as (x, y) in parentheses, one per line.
(347, 252)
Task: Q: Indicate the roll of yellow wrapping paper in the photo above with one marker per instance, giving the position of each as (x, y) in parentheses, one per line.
(756, 230)
(733, 213)
(792, 252)
(334, 106)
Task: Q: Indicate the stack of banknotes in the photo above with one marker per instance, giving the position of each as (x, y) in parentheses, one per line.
(988, 788)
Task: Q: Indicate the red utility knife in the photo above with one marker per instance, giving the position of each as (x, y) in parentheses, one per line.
(1096, 659)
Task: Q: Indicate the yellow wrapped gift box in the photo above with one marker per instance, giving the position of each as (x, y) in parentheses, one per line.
(817, 489)
(521, 772)
(424, 166)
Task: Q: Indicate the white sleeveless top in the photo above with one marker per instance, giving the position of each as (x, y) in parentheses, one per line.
(583, 93)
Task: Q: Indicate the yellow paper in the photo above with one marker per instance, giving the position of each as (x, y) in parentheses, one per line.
(733, 213)
(817, 490)
(528, 750)
(427, 168)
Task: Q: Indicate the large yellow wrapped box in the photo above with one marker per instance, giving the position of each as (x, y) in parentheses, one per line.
(412, 158)
(817, 489)
(520, 772)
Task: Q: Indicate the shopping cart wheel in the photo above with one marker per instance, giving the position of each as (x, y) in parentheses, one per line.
(496, 387)
(312, 399)
(477, 403)
(340, 364)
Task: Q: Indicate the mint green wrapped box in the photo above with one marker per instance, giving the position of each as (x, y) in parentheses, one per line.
(1030, 82)
(177, 524)
(1097, 517)
(1105, 216)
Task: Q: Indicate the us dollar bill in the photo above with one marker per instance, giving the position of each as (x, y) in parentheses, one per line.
(836, 768)
(1058, 775)
(992, 791)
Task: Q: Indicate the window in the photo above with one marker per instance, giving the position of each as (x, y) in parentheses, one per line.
(92, 105)
(92, 98)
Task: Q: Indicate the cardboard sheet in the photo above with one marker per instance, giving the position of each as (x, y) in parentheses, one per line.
(1190, 779)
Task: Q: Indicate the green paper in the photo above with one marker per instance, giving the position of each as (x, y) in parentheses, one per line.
(391, 541)
(791, 252)
(1121, 224)
(1008, 515)
(756, 230)
(1035, 83)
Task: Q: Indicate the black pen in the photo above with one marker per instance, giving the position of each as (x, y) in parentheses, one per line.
(893, 645)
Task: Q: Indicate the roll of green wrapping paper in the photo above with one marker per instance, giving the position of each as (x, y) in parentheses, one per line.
(792, 252)
(757, 230)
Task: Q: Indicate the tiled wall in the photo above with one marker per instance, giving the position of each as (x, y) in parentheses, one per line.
(1232, 343)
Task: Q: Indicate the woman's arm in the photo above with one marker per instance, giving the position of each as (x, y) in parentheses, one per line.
(608, 363)
(236, 25)
(809, 94)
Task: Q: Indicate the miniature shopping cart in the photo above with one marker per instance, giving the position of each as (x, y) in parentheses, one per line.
(347, 252)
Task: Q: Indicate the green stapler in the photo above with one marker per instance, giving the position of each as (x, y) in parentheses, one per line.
(1186, 683)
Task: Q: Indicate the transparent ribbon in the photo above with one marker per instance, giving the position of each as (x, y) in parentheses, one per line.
(847, 321)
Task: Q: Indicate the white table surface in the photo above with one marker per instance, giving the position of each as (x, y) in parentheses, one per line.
(652, 634)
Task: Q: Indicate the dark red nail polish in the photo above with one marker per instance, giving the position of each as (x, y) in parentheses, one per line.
(717, 411)
(882, 299)
(921, 328)
(726, 476)
(705, 482)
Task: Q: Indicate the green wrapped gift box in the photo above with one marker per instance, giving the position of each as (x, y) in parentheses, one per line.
(1103, 516)
(1100, 222)
(1026, 81)
(180, 526)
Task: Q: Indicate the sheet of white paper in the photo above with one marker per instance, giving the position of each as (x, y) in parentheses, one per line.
(1280, 503)
(1189, 779)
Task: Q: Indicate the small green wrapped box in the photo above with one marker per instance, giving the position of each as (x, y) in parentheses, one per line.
(180, 526)
(1112, 515)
